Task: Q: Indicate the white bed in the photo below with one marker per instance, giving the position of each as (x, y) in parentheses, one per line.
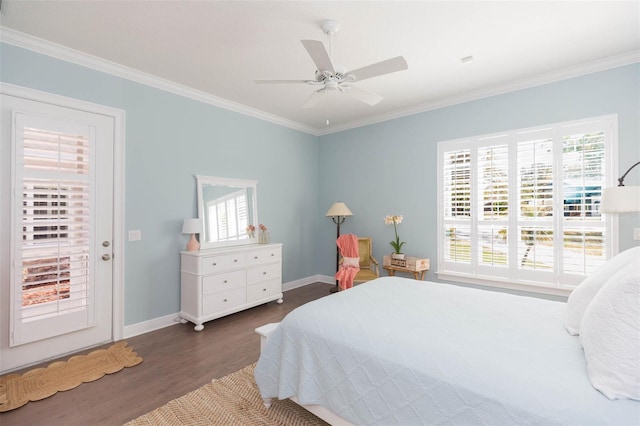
(401, 351)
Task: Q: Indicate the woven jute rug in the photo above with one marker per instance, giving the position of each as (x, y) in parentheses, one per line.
(16, 390)
(231, 400)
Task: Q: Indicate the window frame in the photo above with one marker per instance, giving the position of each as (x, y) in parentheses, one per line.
(555, 282)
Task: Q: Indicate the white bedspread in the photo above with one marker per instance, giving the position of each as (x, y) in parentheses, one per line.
(400, 351)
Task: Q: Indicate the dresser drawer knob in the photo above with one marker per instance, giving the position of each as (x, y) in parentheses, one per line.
(225, 281)
(264, 273)
(214, 263)
(264, 289)
(255, 257)
(235, 260)
(224, 300)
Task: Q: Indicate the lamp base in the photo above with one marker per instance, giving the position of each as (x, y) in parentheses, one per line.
(193, 244)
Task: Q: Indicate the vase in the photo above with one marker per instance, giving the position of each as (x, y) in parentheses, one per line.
(397, 255)
(263, 237)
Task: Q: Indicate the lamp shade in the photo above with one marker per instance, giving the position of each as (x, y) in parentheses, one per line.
(339, 209)
(621, 199)
(192, 226)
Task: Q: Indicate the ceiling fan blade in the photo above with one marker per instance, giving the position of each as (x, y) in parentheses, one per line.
(380, 68)
(313, 99)
(319, 55)
(365, 96)
(279, 81)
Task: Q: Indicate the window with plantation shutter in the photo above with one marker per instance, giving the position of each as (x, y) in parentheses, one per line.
(228, 217)
(522, 207)
(53, 199)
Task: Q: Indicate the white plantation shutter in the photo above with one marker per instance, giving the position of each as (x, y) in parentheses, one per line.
(523, 206)
(457, 205)
(535, 177)
(228, 216)
(583, 226)
(52, 244)
(493, 195)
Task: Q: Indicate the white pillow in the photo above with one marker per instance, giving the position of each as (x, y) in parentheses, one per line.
(610, 335)
(583, 294)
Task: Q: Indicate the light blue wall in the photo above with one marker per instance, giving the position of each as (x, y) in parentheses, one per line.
(169, 139)
(386, 168)
(390, 167)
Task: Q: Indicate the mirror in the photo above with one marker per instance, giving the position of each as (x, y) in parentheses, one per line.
(226, 207)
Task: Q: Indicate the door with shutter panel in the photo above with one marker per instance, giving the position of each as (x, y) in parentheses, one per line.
(61, 221)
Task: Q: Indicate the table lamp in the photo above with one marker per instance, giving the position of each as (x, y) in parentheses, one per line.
(192, 226)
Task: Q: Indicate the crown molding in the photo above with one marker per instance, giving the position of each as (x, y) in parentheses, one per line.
(77, 57)
(525, 83)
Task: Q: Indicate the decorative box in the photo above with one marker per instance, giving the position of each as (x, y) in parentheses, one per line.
(410, 263)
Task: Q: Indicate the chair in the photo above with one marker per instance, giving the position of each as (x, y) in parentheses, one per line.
(368, 264)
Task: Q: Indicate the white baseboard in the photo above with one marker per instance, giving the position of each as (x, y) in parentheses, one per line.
(172, 319)
(308, 280)
(150, 325)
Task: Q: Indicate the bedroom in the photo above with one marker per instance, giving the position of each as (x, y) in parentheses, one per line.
(170, 138)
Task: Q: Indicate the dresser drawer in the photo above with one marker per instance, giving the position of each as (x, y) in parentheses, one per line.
(268, 255)
(263, 273)
(264, 289)
(214, 264)
(218, 302)
(223, 281)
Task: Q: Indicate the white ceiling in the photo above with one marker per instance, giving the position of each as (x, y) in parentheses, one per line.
(220, 48)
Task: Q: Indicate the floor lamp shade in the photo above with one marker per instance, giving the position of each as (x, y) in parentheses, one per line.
(192, 226)
(621, 199)
(339, 209)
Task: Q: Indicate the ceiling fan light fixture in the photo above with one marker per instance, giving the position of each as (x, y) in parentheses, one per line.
(331, 84)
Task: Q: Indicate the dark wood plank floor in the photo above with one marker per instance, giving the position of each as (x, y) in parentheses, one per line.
(177, 360)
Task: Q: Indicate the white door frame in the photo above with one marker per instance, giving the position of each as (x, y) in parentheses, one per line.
(118, 116)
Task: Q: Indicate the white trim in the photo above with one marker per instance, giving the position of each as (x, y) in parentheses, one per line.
(150, 325)
(508, 285)
(308, 280)
(77, 57)
(172, 319)
(118, 183)
(525, 83)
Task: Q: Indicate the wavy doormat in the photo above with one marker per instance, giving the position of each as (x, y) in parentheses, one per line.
(40, 383)
(231, 400)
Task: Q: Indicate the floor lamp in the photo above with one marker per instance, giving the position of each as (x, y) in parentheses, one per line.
(338, 213)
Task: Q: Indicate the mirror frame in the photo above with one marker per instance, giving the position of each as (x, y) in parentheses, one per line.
(231, 182)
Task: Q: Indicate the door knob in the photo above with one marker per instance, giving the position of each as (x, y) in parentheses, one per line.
(106, 257)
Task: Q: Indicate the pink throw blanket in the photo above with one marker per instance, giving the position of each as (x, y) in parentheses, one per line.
(348, 246)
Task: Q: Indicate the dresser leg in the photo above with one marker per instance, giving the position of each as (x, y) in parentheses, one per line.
(279, 301)
(198, 327)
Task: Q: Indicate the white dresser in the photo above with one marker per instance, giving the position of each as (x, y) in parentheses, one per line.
(219, 282)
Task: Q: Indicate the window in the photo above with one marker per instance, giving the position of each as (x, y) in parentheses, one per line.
(522, 206)
(228, 216)
(55, 226)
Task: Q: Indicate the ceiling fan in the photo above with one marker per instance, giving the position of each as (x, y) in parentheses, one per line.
(330, 77)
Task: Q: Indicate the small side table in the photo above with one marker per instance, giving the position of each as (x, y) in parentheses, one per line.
(413, 265)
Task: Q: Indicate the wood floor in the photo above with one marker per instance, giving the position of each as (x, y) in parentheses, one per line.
(177, 360)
